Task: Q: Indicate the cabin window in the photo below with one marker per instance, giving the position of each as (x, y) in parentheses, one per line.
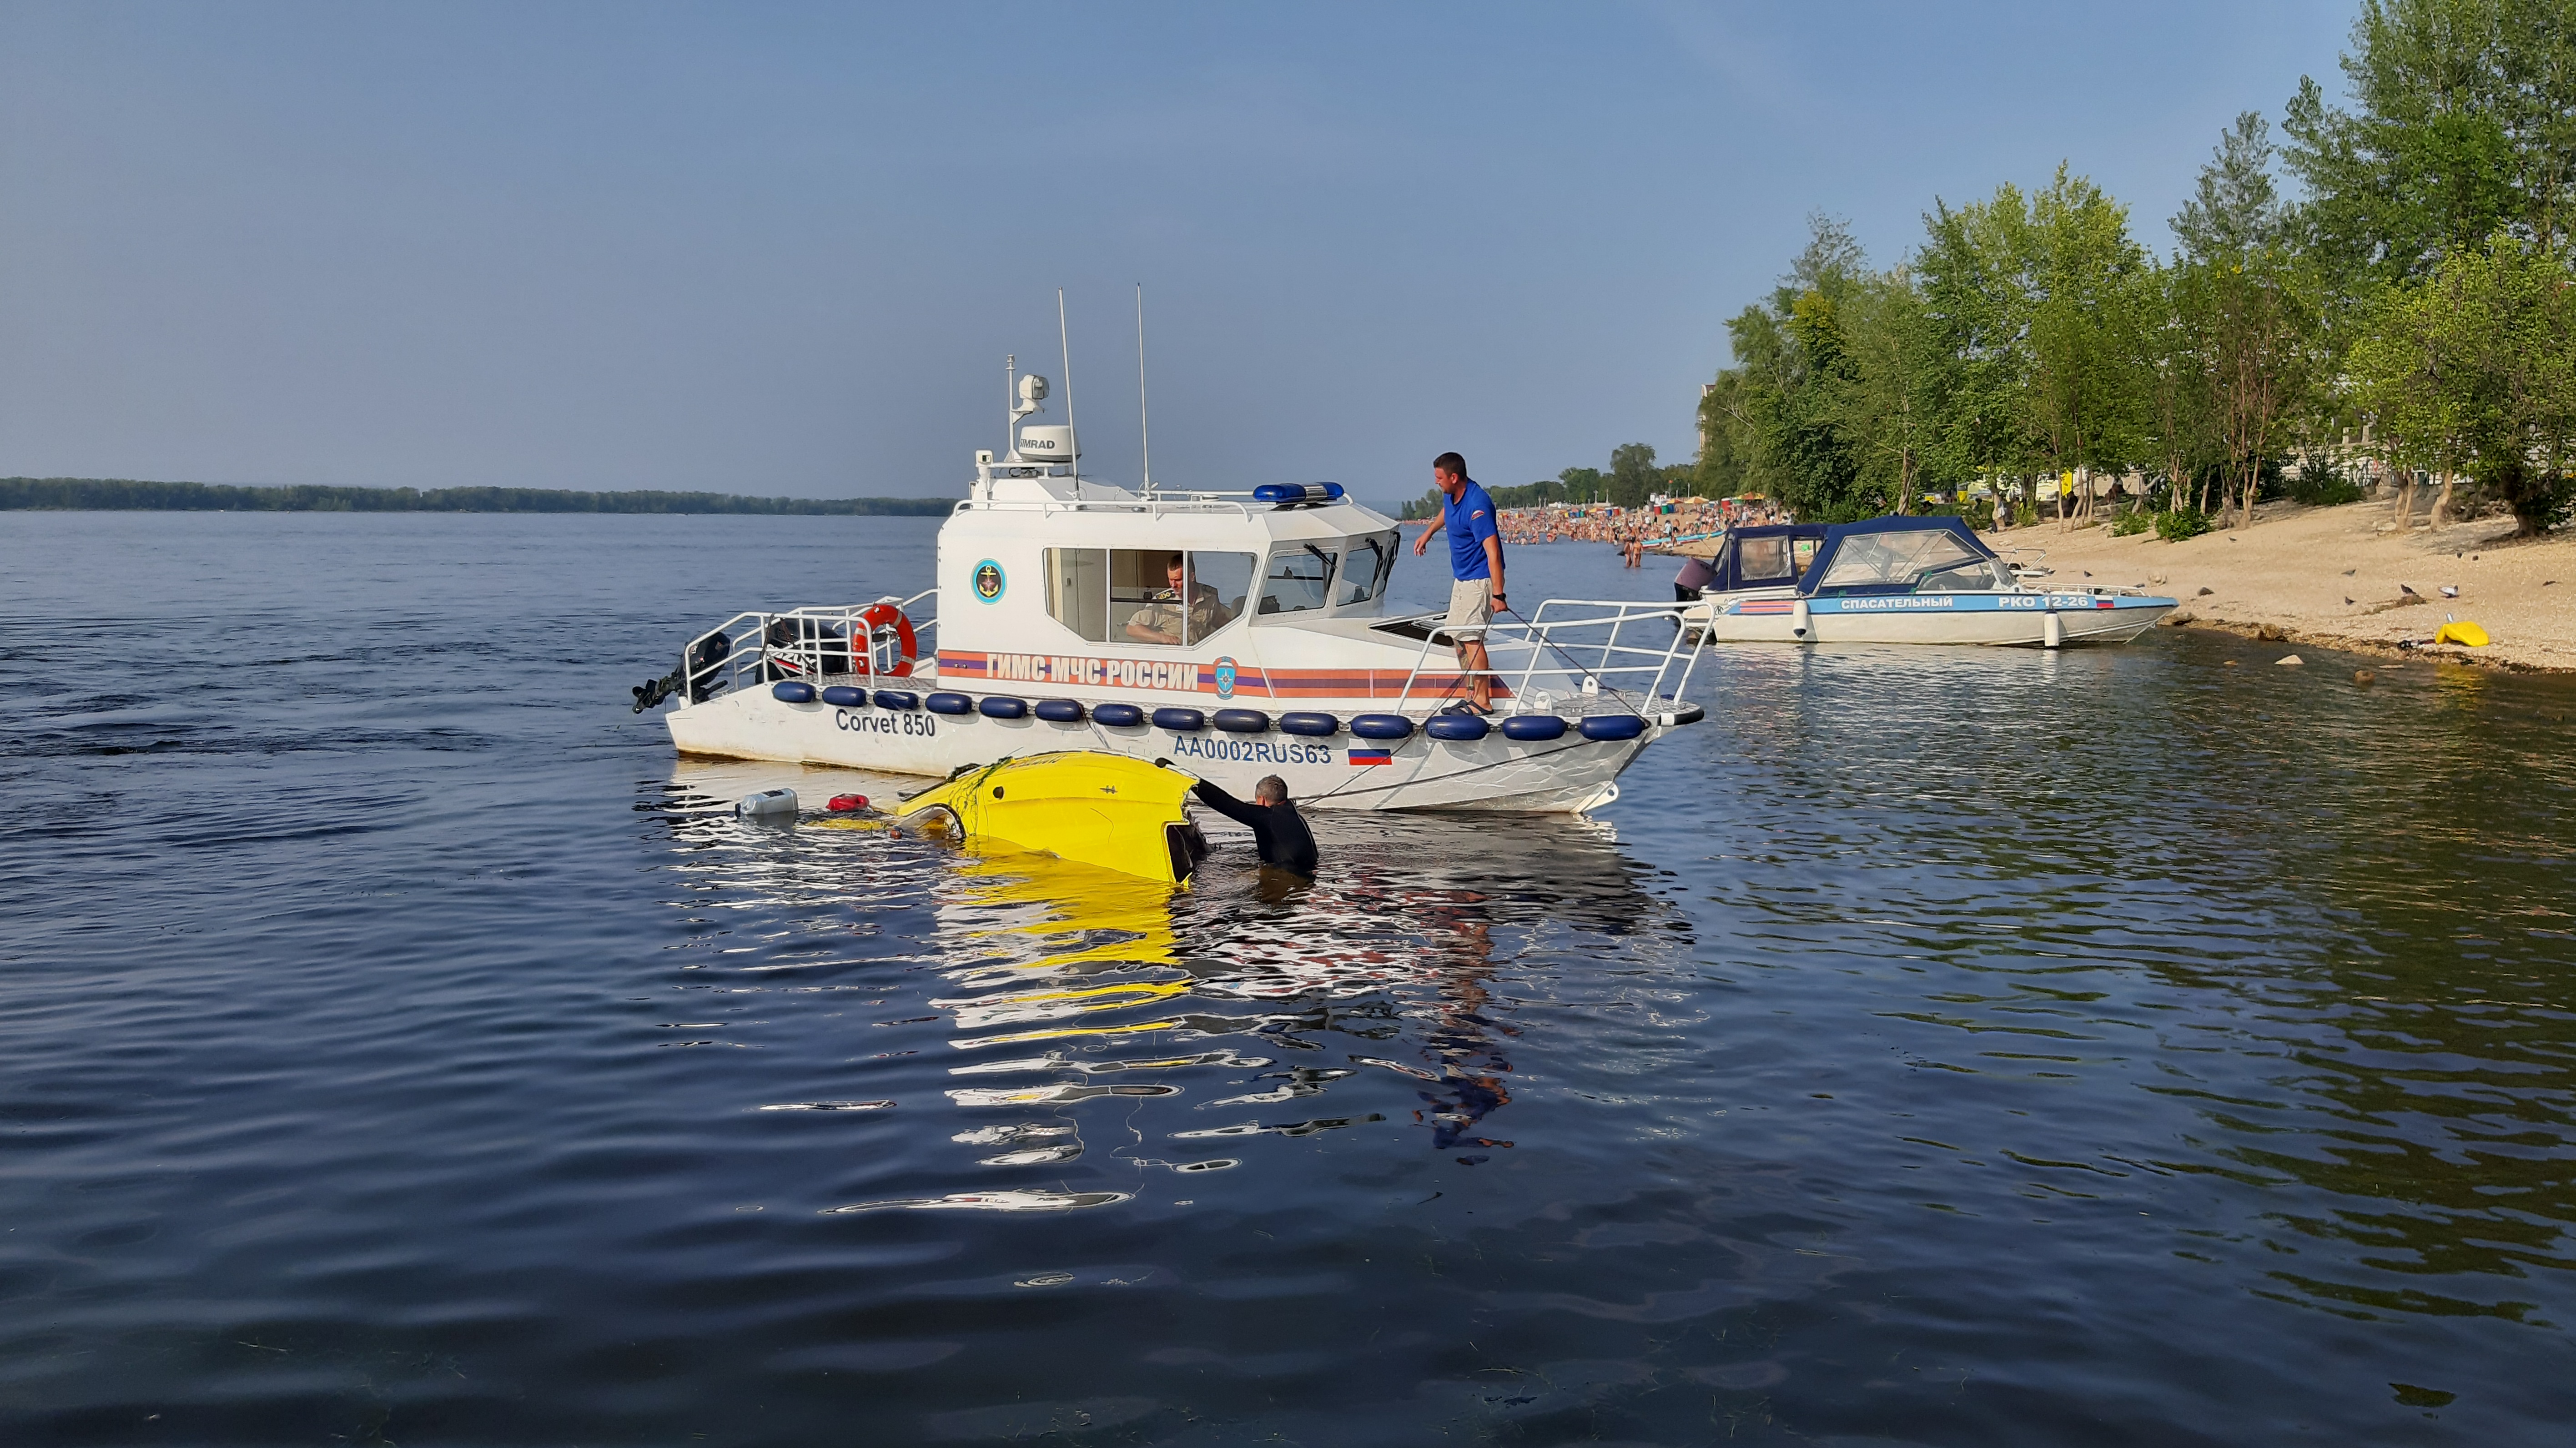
(1878, 559)
(1364, 569)
(1295, 582)
(1772, 560)
(1145, 595)
(1760, 559)
(1077, 590)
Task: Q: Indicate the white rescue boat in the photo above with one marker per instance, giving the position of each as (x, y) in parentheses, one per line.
(1235, 633)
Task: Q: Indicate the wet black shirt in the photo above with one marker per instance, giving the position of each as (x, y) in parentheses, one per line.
(1277, 828)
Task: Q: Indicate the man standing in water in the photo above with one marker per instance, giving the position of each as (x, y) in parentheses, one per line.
(1476, 568)
(1277, 829)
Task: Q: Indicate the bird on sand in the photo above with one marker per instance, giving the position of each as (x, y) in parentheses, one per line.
(2349, 572)
(2408, 590)
(2450, 590)
(2347, 601)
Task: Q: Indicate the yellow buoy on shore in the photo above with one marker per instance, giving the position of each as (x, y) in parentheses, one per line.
(1083, 805)
(2461, 631)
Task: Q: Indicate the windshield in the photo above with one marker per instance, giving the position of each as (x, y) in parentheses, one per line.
(1902, 559)
(1364, 569)
(1295, 582)
(1980, 576)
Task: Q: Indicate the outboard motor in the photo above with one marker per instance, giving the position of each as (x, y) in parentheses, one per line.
(654, 691)
(696, 666)
(705, 662)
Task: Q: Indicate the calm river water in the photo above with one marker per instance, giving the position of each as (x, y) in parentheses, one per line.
(1956, 1048)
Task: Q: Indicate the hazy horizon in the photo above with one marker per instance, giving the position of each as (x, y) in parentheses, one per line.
(784, 251)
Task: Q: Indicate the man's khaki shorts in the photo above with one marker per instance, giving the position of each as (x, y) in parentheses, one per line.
(1471, 607)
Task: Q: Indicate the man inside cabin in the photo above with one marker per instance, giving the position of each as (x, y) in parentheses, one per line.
(1476, 571)
(1167, 620)
(1277, 829)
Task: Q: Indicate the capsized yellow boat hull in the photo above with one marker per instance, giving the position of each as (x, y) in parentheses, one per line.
(1096, 808)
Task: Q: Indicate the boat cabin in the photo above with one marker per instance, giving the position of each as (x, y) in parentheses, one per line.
(1771, 555)
(1903, 554)
(1046, 579)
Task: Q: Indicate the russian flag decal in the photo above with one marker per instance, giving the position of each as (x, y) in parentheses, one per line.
(1372, 756)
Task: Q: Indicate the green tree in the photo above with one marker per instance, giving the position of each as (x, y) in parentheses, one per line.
(2181, 437)
(1583, 485)
(2463, 120)
(1633, 474)
(1772, 416)
(1885, 403)
(2084, 397)
(1730, 449)
(2474, 369)
(2251, 303)
(1979, 291)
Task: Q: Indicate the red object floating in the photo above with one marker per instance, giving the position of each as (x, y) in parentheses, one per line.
(845, 802)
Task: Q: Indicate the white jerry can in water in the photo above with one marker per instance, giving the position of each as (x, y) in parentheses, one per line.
(767, 802)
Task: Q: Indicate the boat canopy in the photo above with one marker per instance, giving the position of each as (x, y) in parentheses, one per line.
(1768, 556)
(1903, 554)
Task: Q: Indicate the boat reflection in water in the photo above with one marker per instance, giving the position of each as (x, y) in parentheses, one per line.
(1248, 1006)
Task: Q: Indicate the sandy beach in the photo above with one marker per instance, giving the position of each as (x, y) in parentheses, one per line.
(2338, 575)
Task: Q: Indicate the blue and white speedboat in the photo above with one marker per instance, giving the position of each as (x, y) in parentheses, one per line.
(1899, 580)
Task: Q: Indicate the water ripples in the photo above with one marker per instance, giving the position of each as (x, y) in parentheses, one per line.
(1931, 1047)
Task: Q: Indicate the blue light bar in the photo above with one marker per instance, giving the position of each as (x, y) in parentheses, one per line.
(1289, 494)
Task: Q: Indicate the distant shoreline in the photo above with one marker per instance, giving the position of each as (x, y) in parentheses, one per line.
(135, 496)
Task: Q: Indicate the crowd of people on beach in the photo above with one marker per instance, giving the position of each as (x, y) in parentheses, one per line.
(1660, 523)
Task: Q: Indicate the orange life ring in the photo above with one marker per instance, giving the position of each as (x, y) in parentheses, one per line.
(876, 618)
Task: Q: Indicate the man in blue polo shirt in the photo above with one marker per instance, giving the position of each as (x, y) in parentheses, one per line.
(1476, 565)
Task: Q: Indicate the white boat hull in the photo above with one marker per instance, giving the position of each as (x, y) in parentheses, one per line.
(1993, 620)
(1570, 774)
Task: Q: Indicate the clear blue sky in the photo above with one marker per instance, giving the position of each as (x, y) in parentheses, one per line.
(782, 249)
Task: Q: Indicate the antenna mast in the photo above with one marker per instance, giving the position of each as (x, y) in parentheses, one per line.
(1065, 336)
(1144, 433)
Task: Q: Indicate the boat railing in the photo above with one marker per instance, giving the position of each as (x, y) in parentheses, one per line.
(1581, 640)
(1152, 505)
(2035, 567)
(814, 644)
